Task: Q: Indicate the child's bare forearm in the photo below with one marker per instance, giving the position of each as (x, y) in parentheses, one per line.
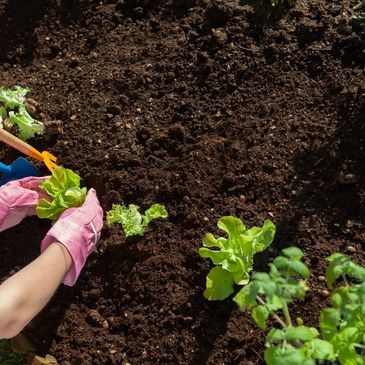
(25, 294)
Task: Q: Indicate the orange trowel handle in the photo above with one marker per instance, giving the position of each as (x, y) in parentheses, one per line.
(19, 145)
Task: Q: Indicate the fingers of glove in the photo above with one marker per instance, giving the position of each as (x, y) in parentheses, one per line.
(81, 224)
(89, 212)
(13, 196)
(14, 216)
(78, 229)
(31, 183)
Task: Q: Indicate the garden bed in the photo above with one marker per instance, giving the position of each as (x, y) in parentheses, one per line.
(211, 108)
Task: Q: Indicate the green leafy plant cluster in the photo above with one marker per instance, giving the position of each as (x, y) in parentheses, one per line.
(132, 221)
(288, 3)
(233, 256)
(342, 325)
(8, 356)
(64, 191)
(13, 112)
(361, 16)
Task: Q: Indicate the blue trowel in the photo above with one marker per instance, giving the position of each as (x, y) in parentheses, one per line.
(18, 169)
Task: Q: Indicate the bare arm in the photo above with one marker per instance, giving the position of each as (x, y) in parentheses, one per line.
(25, 294)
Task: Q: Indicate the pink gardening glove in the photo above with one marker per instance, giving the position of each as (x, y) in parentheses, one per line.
(78, 229)
(18, 199)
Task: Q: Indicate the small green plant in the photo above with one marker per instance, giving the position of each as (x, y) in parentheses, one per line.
(13, 113)
(233, 256)
(270, 293)
(64, 188)
(132, 221)
(8, 356)
(360, 18)
(342, 325)
(282, 3)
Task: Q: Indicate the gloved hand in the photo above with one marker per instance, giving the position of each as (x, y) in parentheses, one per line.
(78, 229)
(18, 199)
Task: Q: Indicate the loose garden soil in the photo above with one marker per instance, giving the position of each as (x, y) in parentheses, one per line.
(211, 108)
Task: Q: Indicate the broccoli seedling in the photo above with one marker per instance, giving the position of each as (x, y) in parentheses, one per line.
(132, 221)
(233, 256)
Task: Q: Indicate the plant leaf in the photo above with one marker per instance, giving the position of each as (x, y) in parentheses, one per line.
(260, 315)
(153, 212)
(26, 125)
(235, 253)
(301, 333)
(13, 98)
(293, 253)
(231, 225)
(219, 284)
(319, 349)
(132, 221)
(64, 187)
(287, 355)
(129, 217)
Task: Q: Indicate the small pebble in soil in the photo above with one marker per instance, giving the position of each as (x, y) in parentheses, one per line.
(138, 12)
(94, 316)
(113, 109)
(350, 223)
(94, 294)
(350, 249)
(325, 293)
(348, 179)
(74, 62)
(321, 278)
(220, 36)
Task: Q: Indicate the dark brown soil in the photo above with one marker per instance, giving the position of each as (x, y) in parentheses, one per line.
(211, 108)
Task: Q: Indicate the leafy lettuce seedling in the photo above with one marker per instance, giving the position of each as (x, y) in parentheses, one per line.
(233, 256)
(132, 221)
(64, 189)
(14, 113)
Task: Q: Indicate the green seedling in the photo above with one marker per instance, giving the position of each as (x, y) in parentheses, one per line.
(288, 3)
(64, 189)
(268, 295)
(233, 256)
(132, 221)
(13, 113)
(343, 325)
(360, 18)
(8, 356)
